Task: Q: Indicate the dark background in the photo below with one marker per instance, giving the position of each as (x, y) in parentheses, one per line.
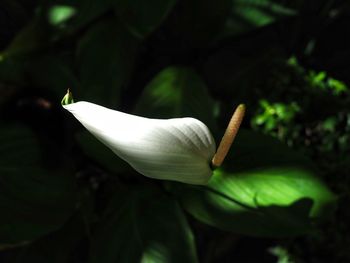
(288, 61)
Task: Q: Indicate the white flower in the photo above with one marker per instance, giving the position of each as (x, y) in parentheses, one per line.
(179, 149)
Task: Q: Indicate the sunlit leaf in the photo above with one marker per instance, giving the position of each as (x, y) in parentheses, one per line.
(337, 86)
(68, 17)
(177, 92)
(142, 225)
(265, 189)
(61, 13)
(33, 200)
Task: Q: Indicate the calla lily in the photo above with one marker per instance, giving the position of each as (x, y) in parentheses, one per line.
(179, 149)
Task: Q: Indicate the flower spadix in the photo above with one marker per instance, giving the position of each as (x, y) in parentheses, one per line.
(179, 149)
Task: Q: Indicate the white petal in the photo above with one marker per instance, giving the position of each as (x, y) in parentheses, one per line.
(175, 149)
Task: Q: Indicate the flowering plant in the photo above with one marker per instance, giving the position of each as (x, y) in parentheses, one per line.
(180, 149)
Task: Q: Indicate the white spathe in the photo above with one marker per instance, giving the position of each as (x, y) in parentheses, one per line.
(179, 149)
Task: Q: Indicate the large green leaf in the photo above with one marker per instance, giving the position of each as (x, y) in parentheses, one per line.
(142, 17)
(177, 92)
(105, 57)
(264, 189)
(142, 225)
(34, 200)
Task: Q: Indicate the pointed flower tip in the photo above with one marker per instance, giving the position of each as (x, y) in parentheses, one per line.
(67, 99)
(241, 106)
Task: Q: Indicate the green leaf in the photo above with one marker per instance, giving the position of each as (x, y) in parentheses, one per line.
(105, 57)
(248, 15)
(59, 14)
(177, 92)
(85, 12)
(34, 200)
(143, 17)
(142, 225)
(264, 189)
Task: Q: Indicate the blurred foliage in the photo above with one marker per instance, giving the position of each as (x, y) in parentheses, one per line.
(282, 255)
(64, 197)
(30, 210)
